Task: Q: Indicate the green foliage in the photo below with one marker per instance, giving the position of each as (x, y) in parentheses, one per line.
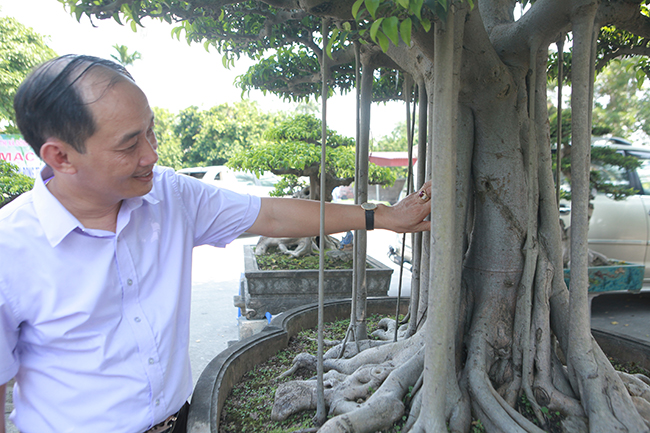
(213, 136)
(170, 153)
(277, 261)
(21, 49)
(601, 156)
(12, 182)
(124, 57)
(293, 148)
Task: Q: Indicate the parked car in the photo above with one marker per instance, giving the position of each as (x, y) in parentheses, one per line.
(619, 229)
(238, 181)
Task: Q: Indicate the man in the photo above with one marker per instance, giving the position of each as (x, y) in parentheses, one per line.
(95, 278)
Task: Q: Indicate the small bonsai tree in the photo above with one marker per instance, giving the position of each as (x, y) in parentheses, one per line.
(12, 182)
(293, 150)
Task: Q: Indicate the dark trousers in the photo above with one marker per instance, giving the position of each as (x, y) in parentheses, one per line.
(180, 426)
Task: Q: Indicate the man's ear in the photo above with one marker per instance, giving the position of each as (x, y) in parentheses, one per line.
(56, 154)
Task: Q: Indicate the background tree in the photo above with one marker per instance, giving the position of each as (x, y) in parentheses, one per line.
(12, 182)
(124, 57)
(494, 321)
(170, 153)
(213, 136)
(21, 48)
(293, 148)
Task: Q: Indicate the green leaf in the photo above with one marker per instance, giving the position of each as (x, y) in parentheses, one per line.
(403, 3)
(331, 41)
(372, 6)
(389, 27)
(134, 26)
(426, 24)
(355, 8)
(375, 28)
(405, 30)
(383, 41)
(416, 8)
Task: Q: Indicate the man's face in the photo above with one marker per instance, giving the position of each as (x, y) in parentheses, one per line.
(120, 155)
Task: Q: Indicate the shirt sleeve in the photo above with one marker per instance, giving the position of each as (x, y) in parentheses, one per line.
(9, 332)
(219, 215)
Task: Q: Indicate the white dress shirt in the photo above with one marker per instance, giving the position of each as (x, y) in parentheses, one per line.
(94, 325)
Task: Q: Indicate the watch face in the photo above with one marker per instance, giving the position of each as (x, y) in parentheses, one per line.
(369, 206)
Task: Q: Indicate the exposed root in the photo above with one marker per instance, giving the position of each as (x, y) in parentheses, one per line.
(343, 393)
(385, 406)
(350, 350)
(398, 352)
(302, 360)
(638, 386)
(386, 330)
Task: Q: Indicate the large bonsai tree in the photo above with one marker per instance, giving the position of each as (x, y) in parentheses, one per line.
(293, 149)
(493, 320)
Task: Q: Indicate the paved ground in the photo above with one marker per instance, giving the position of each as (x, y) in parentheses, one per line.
(216, 273)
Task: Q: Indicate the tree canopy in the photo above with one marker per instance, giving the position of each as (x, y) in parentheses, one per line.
(21, 49)
(293, 148)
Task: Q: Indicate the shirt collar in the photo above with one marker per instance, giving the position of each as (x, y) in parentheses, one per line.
(57, 221)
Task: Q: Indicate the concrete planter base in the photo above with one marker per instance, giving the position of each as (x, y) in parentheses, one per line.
(224, 371)
(277, 291)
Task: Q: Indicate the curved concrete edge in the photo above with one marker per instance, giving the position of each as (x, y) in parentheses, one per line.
(623, 348)
(225, 370)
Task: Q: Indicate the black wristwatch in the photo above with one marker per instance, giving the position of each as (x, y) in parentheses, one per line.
(370, 214)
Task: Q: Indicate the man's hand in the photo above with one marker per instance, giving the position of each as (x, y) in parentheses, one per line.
(290, 217)
(407, 216)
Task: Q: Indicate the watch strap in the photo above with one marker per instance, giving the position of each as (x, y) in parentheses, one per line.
(370, 219)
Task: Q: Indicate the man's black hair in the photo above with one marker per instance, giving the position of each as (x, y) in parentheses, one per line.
(50, 104)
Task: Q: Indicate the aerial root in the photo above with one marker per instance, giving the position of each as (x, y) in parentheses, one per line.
(385, 406)
(493, 411)
(386, 330)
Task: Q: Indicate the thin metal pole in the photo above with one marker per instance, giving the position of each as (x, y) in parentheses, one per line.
(321, 414)
(558, 151)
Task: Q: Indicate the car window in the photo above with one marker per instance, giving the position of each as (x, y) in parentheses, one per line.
(644, 171)
(617, 176)
(196, 174)
(248, 179)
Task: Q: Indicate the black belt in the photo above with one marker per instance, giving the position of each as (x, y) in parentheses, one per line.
(167, 426)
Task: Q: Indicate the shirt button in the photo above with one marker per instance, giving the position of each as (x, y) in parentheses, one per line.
(129, 282)
(151, 361)
(137, 319)
(157, 402)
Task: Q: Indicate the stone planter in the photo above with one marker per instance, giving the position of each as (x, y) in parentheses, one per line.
(225, 370)
(616, 278)
(277, 291)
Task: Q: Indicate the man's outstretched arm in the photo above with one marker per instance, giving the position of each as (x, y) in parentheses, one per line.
(290, 217)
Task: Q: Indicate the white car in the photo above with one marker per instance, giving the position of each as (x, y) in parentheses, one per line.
(619, 229)
(238, 181)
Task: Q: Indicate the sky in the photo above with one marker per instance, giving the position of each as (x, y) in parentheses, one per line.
(173, 74)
